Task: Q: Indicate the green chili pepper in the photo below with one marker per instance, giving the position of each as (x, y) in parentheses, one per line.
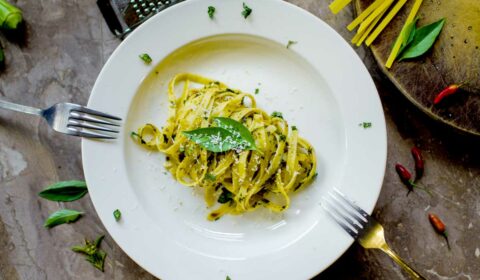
(10, 16)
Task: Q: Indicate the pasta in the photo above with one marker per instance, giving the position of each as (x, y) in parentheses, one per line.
(236, 180)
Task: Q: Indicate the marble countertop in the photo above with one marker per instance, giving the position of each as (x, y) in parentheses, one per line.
(58, 59)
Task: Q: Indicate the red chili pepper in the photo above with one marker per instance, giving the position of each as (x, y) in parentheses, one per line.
(451, 89)
(406, 178)
(404, 174)
(439, 226)
(419, 163)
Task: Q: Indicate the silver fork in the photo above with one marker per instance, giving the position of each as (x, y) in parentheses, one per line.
(73, 119)
(361, 226)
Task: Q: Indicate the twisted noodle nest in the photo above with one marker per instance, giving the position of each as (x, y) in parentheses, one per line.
(240, 181)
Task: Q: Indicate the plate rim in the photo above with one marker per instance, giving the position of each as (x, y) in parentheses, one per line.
(381, 126)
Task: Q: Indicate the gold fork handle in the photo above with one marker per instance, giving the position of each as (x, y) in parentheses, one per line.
(399, 261)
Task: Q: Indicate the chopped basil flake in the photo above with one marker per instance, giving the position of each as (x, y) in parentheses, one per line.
(294, 127)
(283, 137)
(365, 124)
(211, 11)
(117, 214)
(146, 58)
(257, 91)
(225, 196)
(277, 115)
(290, 43)
(246, 11)
(210, 177)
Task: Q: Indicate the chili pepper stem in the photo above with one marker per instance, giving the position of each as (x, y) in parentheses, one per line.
(444, 234)
(420, 187)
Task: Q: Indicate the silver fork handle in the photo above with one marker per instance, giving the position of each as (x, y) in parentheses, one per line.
(20, 108)
(402, 263)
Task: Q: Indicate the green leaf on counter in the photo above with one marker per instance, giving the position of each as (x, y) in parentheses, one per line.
(61, 217)
(423, 40)
(65, 191)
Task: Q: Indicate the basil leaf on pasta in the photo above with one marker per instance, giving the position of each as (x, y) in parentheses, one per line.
(240, 132)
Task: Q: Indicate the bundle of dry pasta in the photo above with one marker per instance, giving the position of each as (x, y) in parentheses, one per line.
(374, 19)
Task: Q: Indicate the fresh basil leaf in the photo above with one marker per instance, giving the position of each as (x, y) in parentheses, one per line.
(65, 191)
(61, 217)
(409, 34)
(240, 132)
(214, 139)
(406, 35)
(423, 40)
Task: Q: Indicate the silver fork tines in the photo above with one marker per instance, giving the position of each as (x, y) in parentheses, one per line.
(73, 119)
(85, 117)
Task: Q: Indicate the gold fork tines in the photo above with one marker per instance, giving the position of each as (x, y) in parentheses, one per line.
(362, 227)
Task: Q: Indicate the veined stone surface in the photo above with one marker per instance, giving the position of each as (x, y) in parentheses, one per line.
(64, 48)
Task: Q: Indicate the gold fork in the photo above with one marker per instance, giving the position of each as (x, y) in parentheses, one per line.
(362, 227)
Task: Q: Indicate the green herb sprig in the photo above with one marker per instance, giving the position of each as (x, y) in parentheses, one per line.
(93, 253)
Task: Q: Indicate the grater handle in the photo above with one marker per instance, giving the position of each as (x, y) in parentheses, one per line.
(110, 17)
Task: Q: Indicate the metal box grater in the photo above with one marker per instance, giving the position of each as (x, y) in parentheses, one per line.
(122, 16)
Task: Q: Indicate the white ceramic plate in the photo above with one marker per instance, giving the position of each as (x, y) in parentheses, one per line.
(319, 84)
